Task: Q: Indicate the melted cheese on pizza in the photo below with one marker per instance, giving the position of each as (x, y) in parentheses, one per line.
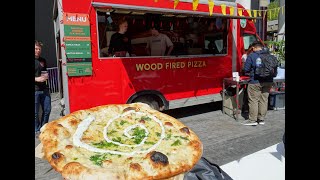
(125, 134)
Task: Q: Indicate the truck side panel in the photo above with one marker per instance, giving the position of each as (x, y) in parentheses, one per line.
(114, 80)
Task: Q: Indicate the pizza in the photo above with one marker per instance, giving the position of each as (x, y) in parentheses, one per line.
(127, 141)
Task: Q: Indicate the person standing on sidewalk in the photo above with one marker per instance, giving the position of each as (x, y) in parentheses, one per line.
(245, 106)
(258, 88)
(42, 94)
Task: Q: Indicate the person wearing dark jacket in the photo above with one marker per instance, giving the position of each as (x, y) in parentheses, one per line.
(42, 94)
(258, 88)
(120, 43)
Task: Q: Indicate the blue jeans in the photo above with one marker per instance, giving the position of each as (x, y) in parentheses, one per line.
(42, 98)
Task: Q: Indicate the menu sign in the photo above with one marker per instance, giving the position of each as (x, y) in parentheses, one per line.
(77, 44)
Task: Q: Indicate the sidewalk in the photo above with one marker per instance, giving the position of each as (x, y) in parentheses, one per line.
(55, 106)
(266, 164)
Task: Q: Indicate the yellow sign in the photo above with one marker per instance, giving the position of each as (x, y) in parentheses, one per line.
(223, 9)
(231, 9)
(254, 13)
(240, 11)
(175, 3)
(211, 5)
(195, 4)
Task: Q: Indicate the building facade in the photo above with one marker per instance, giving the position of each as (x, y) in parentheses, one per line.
(44, 30)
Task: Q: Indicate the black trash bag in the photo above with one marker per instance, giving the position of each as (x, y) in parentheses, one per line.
(205, 170)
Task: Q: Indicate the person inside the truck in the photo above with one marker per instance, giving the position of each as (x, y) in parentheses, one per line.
(158, 44)
(120, 43)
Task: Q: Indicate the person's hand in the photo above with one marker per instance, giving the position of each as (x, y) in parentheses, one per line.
(41, 79)
(45, 76)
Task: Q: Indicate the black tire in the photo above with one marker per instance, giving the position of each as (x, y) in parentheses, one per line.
(148, 100)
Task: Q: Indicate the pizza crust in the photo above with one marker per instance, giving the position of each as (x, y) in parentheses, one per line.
(167, 160)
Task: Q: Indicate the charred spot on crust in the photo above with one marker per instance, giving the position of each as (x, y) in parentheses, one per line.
(69, 146)
(195, 144)
(142, 121)
(158, 157)
(128, 109)
(185, 130)
(56, 155)
(135, 166)
(107, 162)
(73, 122)
(59, 125)
(55, 132)
(168, 123)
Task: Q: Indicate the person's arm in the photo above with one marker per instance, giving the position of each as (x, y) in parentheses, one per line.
(169, 44)
(129, 46)
(111, 44)
(248, 64)
(148, 47)
(40, 79)
(243, 61)
(169, 51)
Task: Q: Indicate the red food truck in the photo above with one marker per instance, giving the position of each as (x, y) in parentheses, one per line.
(207, 47)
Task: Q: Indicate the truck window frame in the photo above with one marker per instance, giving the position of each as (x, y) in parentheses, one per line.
(225, 53)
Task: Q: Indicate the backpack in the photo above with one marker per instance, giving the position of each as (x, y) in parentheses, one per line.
(206, 170)
(266, 66)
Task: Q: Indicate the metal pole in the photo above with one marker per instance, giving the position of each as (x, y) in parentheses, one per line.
(264, 23)
(281, 22)
(223, 95)
(237, 100)
(64, 61)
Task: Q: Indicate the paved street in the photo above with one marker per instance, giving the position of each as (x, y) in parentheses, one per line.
(224, 139)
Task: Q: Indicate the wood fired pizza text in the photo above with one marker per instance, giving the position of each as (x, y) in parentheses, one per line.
(170, 65)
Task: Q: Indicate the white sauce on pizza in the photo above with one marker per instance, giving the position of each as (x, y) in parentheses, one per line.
(84, 125)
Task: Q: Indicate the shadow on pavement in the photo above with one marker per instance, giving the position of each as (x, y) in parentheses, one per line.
(194, 110)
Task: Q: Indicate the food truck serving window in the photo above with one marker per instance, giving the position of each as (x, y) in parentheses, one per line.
(248, 39)
(189, 34)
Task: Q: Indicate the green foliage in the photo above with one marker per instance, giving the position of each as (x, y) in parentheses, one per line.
(274, 14)
(277, 48)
